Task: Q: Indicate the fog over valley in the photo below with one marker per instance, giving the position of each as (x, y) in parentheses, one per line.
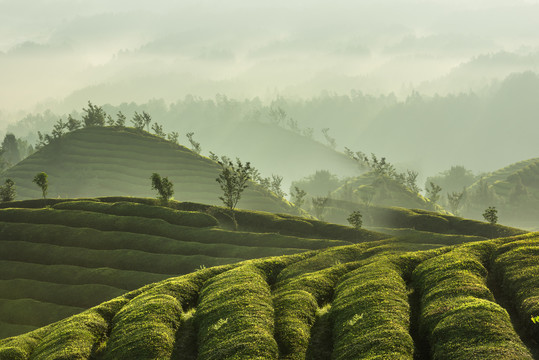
(135, 51)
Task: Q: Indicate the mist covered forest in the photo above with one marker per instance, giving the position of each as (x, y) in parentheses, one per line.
(427, 133)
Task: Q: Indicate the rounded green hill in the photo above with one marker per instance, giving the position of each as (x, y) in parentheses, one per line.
(513, 190)
(107, 161)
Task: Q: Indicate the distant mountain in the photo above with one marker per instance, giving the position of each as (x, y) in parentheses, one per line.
(276, 150)
(480, 132)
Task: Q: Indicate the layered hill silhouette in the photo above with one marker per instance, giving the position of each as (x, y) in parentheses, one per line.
(383, 191)
(276, 150)
(376, 299)
(74, 254)
(514, 190)
(111, 161)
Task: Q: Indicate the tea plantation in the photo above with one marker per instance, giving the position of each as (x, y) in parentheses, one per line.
(62, 259)
(373, 300)
(106, 161)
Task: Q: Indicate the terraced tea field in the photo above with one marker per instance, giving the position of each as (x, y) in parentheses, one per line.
(397, 217)
(513, 190)
(107, 161)
(373, 300)
(60, 260)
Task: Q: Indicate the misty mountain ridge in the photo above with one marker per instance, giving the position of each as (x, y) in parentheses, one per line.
(450, 127)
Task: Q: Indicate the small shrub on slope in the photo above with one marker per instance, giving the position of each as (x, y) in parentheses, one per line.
(163, 186)
(7, 191)
(491, 215)
(41, 180)
(355, 219)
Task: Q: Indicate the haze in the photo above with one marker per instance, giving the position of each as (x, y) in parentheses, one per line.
(244, 49)
(448, 79)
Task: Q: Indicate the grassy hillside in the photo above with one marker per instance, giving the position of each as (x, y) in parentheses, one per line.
(275, 150)
(104, 161)
(74, 254)
(374, 300)
(390, 218)
(505, 172)
(514, 190)
(385, 192)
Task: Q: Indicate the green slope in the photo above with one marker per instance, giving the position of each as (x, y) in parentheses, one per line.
(505, 172)
(375, 300)
(386, 192)
(514, 190)
(104, 161)
(387, 219)
(275, 150)
(74, 254)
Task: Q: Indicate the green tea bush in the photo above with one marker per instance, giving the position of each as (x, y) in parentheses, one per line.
(324, 259)
(242, 297)
(516, 266)
(371, 314)
(145, 328)
(459, 315)
(296, 302)
(20, 347)
(76, 336)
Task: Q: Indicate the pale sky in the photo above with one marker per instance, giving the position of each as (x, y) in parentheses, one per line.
(49, 49)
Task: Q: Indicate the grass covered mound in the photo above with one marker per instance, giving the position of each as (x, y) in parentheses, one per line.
(371, 314)
(417, 219)
(459, 315)
(200, 215)
(374, 300)
(174, 217)
(104, 161)
(516, 268)
(384, 190)
(514, 190)
(74, 254)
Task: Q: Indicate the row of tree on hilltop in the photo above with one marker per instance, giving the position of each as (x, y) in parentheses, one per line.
(95, 116)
